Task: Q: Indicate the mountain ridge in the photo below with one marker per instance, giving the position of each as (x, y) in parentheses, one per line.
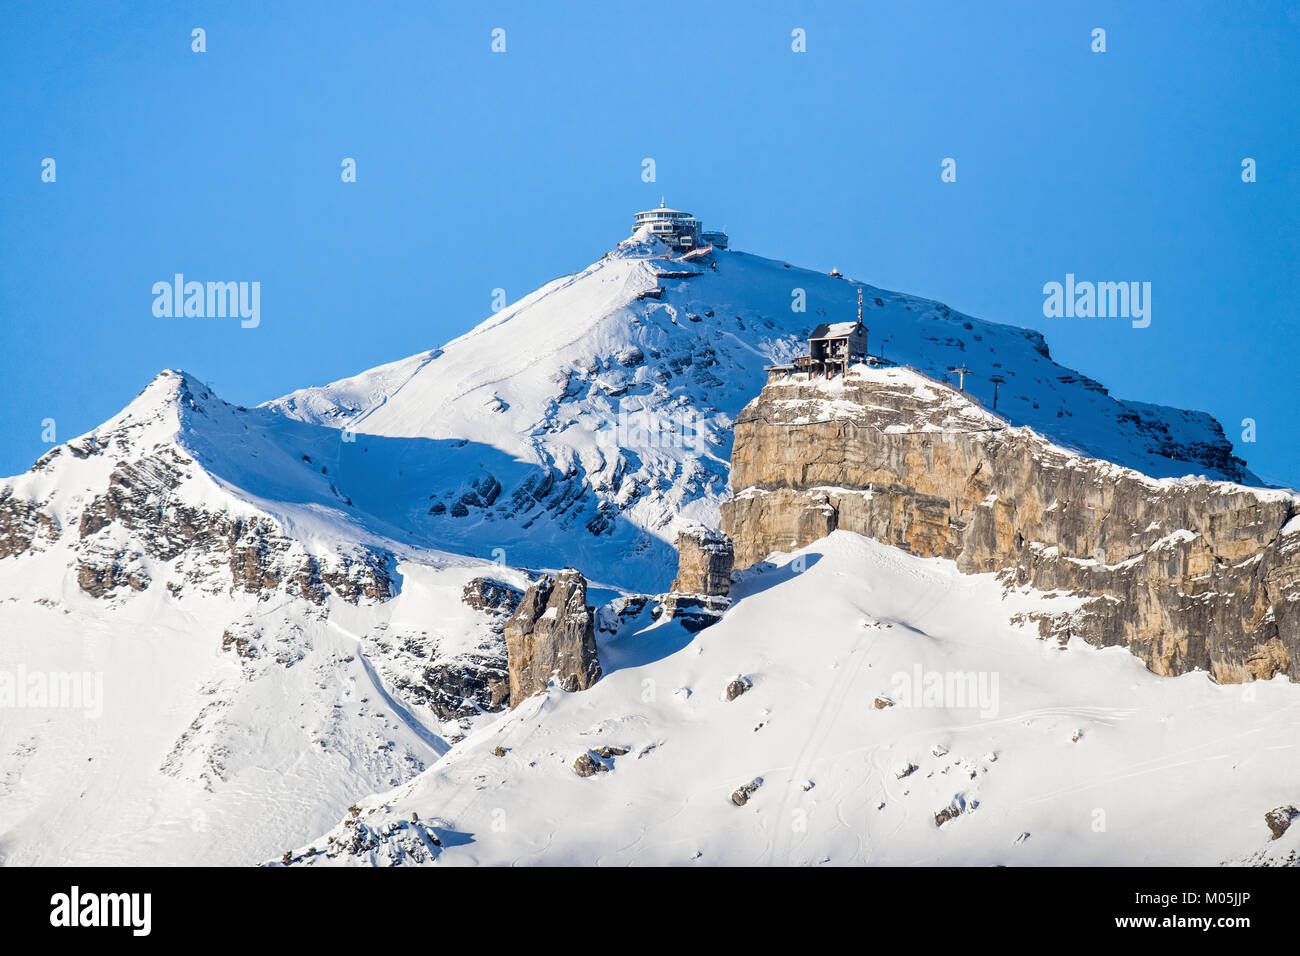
(296, 585)
(685, 345)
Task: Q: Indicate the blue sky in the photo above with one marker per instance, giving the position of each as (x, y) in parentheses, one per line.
(478, 170)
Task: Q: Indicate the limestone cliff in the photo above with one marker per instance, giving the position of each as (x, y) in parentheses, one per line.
(552, 635)
(1186, 573)
(699, 594)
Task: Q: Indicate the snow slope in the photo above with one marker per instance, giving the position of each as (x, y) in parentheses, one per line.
(528, 404)
(1074, 756)
(215, 716)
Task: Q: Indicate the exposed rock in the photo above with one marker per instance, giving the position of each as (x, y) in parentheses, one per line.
(620, 612)
(1279, 820)
(552, 634)
(460, 687)
(699, 594)
(397, 843)
(630, 356)
(139, 516)
(704, 562)
(738, 687)
(23, 524)
(692, 611)
(240, 642)
(587, 765)
(952, 811)
(742, 794)
(101, 572)
(482, 493)
(1187, 574)
(492, 597)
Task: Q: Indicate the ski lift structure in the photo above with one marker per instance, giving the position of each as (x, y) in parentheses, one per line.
(996, 380)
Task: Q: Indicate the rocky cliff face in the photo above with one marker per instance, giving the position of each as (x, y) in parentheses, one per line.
(704, 560)
(127, 503)
(699, 594)
(552, 635)
(1188, 574)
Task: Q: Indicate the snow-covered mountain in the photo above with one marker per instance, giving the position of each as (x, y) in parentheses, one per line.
(888, 714)
(221, 627)
(202, 650)
(586, 422)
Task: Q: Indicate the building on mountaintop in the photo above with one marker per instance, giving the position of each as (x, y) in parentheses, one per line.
(679, 229)
(832, 347)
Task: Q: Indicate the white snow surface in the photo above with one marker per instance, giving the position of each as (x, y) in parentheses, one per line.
(1076, 756)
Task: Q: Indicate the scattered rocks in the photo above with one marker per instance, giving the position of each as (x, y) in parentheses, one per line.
(241, 643)
(460, 687)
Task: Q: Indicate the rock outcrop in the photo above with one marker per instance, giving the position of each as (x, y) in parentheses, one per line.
(552, 635)
(1186, 573)
(140, 520)
(1279, 820)
(704, 562)
(699, 594)
(495, 598)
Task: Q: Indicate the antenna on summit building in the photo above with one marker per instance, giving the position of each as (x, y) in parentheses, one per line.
(859, 308)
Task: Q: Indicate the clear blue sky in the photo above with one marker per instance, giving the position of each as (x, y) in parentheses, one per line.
(225, 165)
